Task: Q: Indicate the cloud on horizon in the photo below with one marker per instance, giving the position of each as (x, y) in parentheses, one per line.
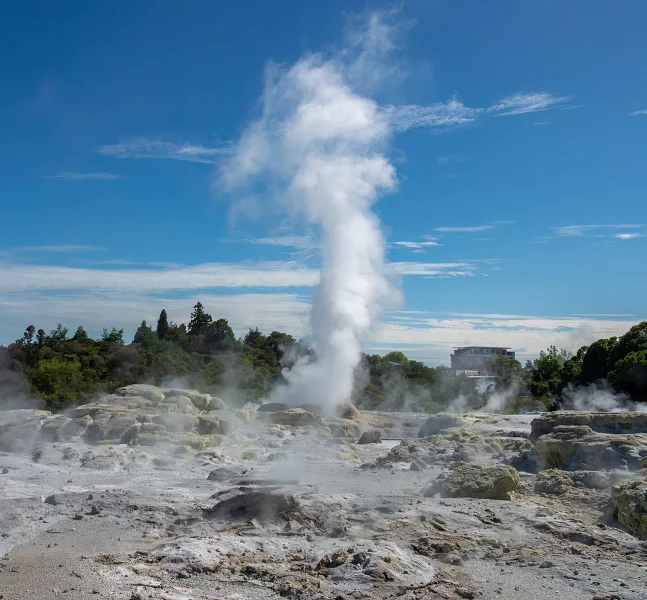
(420, 334)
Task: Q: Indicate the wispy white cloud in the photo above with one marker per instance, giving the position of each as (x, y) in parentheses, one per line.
(629, 236)
(80, 176)
(468, 229)
(417, 245)
(522, 103)
(454, 112)
(443, 114)
(455, 269)
(165, 150)
(581, 230)
(155, 278)
(635, 113)
(61, 248)
(540, 123)
(299, 242)
(22, 278)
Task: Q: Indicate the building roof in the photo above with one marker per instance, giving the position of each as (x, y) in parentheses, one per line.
(468, 347)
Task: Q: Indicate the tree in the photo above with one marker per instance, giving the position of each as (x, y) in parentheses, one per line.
(254, 338)
(177, 334)
(219, 337)
(396, 357)
(114, 336)
(142, 332)
(80, 335)
(200, 320)
(162, 325)
(630, 375)
(507, 369)
(28, 336)
(546, 374)
(596, 362)
(58, 335)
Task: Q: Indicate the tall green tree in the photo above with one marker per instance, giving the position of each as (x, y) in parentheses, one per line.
(142, 332)
(80, 335)
(597, 362)
(219, 337)
(199, 321)
(58, 335)
(162, 325)
(114, 336)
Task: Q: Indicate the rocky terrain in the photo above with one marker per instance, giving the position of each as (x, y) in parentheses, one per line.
(168, 494)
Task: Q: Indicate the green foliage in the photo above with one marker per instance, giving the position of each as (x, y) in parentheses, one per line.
(114, 336)
(80, 335)
(597, 360)
(64, 370)
(200, 320)
(622, 362)
(162, 325)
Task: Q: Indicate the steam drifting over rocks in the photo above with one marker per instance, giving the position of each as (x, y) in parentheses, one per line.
(190, 498)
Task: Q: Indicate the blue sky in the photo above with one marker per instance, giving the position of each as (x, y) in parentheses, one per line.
(519, 218)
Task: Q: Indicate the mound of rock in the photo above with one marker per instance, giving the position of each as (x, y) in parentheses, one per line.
(439, 423)
(630, 505)
(578, 447)
(557, 482)
(374, 436)
(347, 411)
(617, 422)
(476, 481)
(253, 505)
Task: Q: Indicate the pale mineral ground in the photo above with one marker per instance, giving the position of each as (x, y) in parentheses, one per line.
(155, 493)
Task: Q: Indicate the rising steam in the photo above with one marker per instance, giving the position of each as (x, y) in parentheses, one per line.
(318, 149)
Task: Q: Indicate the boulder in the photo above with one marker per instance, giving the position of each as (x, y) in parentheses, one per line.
(476, 481)
(313, 408)
(616, 422)
(107, 427)
(217, 421)
(50, 427)
(342, 428)
(577, 447)
(630, 505)
(176, 421)
(20, 436)
(294, 417)
(557, 482)
(129, 436)
(438, 423)
(273, 407)
(150, 392)
(253, 505)
(347, 411)
(374, 436)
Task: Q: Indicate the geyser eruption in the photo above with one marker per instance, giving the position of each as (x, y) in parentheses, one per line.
(318, 148)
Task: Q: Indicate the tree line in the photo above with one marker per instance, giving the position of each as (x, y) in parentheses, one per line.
(62, 369)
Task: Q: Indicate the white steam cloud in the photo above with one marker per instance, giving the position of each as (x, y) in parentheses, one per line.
(598, 397)
(318, 147)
